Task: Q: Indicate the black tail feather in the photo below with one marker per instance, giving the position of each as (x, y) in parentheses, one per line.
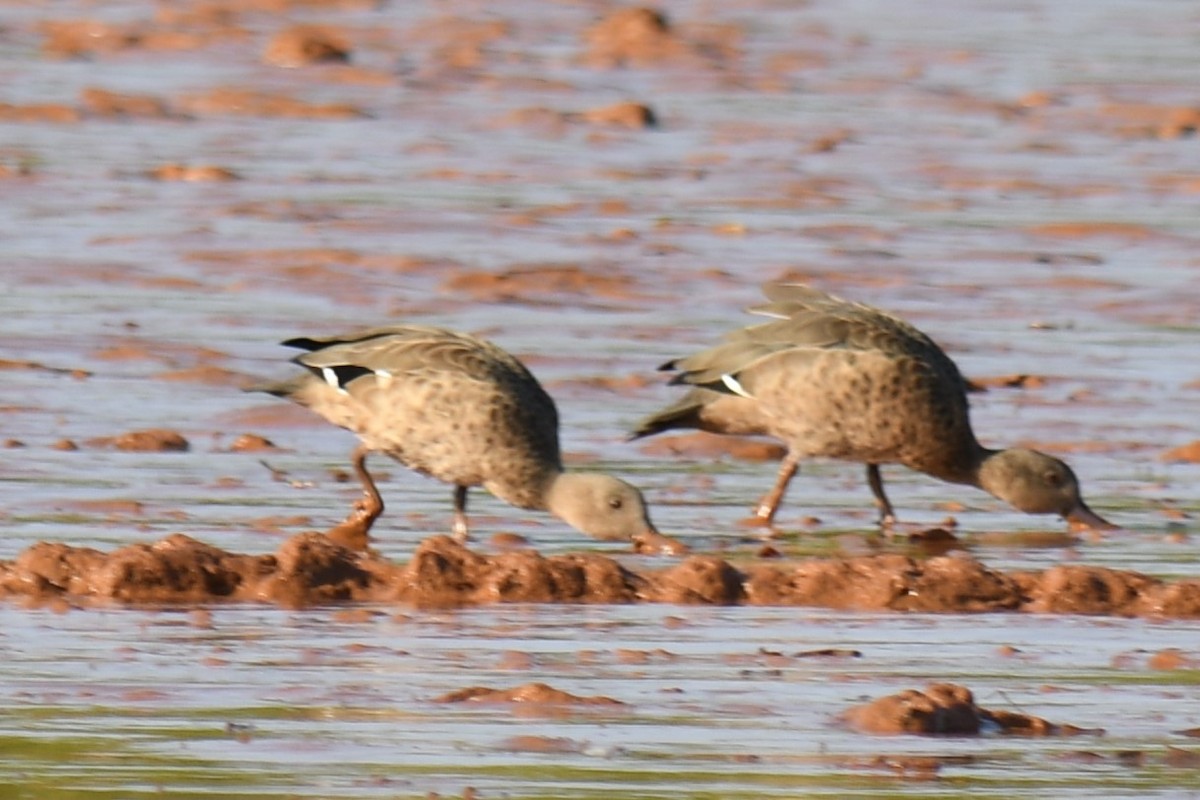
(680, 415)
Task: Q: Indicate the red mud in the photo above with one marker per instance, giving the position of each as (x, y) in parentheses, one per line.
(538, 693)
(153, 440)
(302, 45)
(644, 36)
(311, 569)
(563, 282)
(710, 445)
(1189, 452)
(945, 709)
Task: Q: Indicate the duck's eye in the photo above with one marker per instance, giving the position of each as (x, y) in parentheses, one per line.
(1054, 479)
(615, 502)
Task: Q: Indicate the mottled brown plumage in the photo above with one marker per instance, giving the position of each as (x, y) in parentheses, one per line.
(843, 380)
(461, 410)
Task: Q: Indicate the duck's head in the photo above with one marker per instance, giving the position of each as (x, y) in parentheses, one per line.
(599, 505)
(1036, 483)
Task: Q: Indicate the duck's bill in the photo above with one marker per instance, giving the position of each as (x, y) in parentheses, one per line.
(654, 543)
(1083, 517)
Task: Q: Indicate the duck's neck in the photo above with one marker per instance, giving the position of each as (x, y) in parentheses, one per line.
(536, 492)
(990, 475)
(967, 466)
(557, 490)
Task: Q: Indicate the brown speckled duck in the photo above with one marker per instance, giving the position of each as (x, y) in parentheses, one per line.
(844, 380)
(461, 410)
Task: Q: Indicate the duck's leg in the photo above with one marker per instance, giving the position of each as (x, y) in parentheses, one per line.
(887, 515)
(354, 530)
(764, 512)
(460, 514)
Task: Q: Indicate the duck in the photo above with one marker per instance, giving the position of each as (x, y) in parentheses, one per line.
(843, 380)
(457, 408)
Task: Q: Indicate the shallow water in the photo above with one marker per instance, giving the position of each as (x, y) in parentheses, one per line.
(296, 703)
(932, 203)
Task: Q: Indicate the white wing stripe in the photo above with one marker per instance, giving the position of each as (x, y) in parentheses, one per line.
(331, 378)
(732, 384)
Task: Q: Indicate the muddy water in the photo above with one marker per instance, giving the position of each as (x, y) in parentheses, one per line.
(252, 700)
(1020, 181)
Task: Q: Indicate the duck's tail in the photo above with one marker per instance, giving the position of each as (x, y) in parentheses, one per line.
(683, 414)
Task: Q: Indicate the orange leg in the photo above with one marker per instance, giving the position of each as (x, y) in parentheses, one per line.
(764, 512)
(354, 530)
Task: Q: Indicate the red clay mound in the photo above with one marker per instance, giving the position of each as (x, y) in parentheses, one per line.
(311, 569)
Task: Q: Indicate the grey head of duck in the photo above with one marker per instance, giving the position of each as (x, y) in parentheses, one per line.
(1036, 483)
(599, 505)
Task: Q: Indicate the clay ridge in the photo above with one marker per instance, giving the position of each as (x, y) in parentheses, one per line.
(311, 569)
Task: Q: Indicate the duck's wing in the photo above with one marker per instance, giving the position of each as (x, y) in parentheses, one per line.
(806, 324)
(406, 351)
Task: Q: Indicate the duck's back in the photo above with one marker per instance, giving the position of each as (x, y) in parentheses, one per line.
(844, 380)
(444, 403)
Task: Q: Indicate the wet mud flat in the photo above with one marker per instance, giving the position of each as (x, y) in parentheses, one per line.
(690, 670)
(599, 188)
(547, 699)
